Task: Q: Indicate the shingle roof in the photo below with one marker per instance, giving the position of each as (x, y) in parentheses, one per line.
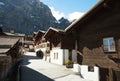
(15, 34)
(41, 31)
(35, 32)
(53, 29)
(2, 51)
(6, 43)
(86, 15)
(8, 40)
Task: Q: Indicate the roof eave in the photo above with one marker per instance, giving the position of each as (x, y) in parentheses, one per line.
(82, 18)
(54, 29)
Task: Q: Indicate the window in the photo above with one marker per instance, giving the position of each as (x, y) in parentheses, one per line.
(55, 55)
(90, 68)
(109, 44)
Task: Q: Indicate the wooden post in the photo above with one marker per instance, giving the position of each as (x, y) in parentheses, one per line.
(70, 54)
(110, 74)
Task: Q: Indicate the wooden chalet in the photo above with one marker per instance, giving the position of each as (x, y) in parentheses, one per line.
(39, 40)
(9, 46)
(38, 37)
(9, 52)
(20, 36)
(54, 36)
(28, 41)
(58, 47)
(98, 38)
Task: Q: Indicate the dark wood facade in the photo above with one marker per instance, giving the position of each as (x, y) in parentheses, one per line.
(58, 39)
(90, 31)
(28, 40)
(68, 41)
(9, 46)
(9, 53)
(38, 37)
(54, 36)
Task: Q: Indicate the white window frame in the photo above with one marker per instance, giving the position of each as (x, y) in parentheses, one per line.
(109, 46)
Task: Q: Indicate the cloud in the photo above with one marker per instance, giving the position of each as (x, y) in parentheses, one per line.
(75, 15)
(57, 14)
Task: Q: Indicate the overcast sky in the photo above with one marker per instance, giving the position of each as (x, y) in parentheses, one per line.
(70, 9)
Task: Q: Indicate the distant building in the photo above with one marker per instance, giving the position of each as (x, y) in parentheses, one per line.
(40, 44)
(28, 40)
(17, 35)
(59, 53)
(38, 37)
(9, 52)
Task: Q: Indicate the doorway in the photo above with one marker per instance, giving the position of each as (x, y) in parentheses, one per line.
(104, 74)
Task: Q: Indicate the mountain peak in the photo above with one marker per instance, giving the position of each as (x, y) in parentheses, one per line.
(26, 16)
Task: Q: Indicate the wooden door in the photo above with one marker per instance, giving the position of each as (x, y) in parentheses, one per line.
(104, 74)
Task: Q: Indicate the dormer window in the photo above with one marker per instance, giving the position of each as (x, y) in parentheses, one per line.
(109, 44)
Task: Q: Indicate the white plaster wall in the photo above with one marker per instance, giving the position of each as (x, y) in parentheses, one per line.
(48, 59)
(76, 68)
(62, 56)
(94, 76)
(66, 55)
(74, 56)
(37, 49)
(44, 51)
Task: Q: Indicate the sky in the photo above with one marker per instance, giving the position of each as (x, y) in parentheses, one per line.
(70, 9)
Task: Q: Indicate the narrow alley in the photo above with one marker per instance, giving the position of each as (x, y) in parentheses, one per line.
(33, 68)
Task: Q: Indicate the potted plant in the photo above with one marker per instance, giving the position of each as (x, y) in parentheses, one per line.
(69, 63)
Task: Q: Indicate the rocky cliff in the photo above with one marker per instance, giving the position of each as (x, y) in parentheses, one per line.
(26, 16)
